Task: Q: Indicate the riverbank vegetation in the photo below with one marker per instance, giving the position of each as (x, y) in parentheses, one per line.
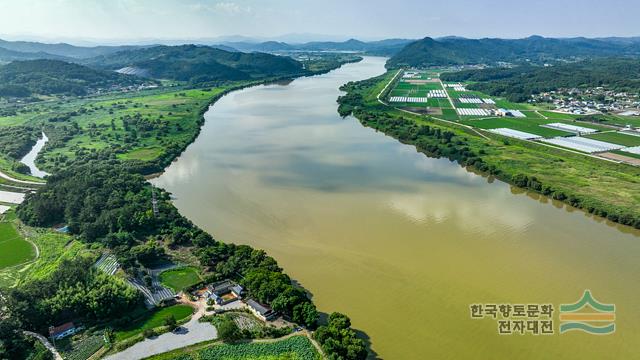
(606, 189)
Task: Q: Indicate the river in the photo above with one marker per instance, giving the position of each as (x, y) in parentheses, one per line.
(400, 242)
(30, 158)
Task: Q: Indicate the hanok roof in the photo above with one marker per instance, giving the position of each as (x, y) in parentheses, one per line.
(62, 328)
(262, 309)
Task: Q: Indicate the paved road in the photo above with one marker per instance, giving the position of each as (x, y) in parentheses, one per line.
(7, 177)
(194, 332)
(46, 344)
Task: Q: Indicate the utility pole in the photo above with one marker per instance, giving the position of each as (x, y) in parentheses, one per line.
(154, 201)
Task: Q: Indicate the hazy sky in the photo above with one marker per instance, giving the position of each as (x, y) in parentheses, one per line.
(193, 19)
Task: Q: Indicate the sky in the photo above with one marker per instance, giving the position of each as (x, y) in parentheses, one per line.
(140, 20)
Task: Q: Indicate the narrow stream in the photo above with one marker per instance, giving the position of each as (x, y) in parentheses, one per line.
(30, 158)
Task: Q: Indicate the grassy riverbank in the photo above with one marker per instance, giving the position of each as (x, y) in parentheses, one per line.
(600, 187)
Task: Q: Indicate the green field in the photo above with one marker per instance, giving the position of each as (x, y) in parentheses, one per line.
(53, 248)
(555, 115)
(154, 320)
(527, 125)
(14, 249)
(179, 279)
(292, 348)
(617, 138)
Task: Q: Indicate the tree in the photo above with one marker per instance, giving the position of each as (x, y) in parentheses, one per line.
(228, 330)
(339, 341)
(305, 313)
(170, 321)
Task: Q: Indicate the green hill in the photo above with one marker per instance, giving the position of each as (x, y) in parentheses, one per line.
(459, 51)
(55, 77)
(199, 63)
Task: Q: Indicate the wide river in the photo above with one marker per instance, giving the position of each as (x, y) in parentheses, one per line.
(400, 242)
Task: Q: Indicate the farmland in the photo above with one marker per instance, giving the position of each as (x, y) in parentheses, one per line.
(53, 248)
(617, 138)
(181, 278)
(154, 320)
(481, 111)
(293, 348)
(531, 126)
(15, 249)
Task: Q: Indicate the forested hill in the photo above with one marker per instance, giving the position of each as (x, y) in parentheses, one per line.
(61, 49)
(519, 83)
(459, 51)
(54, 77)
(199, 63)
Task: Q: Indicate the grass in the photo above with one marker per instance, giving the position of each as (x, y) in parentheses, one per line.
(528, 125)
(153, 320)
(53, 247)
(555, 115)
(179, 279)
(617, 138)
(292, 348)
(15, 249)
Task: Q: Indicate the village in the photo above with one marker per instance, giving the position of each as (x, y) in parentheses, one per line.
(591, 101)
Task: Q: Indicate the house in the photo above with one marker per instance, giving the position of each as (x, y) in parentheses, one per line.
(224, 292)
(62, 331)
(262, 311)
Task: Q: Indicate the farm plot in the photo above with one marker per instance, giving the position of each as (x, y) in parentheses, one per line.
(571, 128)
(583, 144)
(295, 347)
(617, 138)
(107, 264)
(81, 349)
(531, 126)
(11, 197)
(14, 249)
(515, 134)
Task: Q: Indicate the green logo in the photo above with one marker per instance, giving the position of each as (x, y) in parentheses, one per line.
(588, 315)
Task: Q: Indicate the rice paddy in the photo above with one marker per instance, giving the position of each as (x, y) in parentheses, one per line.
(14, 248)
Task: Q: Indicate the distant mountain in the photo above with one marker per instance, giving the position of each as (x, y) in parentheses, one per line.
(55, 77)
(61, 49)
(11, 55)
(459, 51)
(268, 46)
(381, 47)
(198, 63)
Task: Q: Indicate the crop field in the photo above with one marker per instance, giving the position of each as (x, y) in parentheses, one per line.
(154, 320)
(80, 349)
(617, 138)
(53, 248)
(14, 249)
(179, 279)
(531, 126)
(292, 348)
